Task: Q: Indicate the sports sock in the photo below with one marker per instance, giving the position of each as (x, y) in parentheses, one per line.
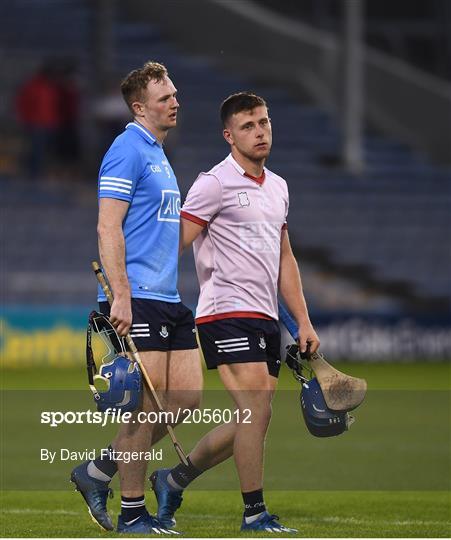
(181, 475)
(253, 504)
(132, 508)
(103, 467)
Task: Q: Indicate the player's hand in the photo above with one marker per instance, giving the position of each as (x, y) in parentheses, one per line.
(121, 315)
(308, 338)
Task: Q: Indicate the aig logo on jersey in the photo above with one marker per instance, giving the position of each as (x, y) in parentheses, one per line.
(170, 206)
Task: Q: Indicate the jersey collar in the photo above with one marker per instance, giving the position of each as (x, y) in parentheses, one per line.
(141, 130)
(259, 180)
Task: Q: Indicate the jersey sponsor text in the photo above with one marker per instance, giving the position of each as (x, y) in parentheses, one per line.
(170, 206)
(260, 236)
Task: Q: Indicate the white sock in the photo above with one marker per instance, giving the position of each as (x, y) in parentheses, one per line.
(96, 473)
(251, 519)
(173, 483)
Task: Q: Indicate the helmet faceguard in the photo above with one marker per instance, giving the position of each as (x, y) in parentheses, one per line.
(120, 376)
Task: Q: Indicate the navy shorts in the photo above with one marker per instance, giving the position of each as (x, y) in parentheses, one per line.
(240, 340)
(160, 326)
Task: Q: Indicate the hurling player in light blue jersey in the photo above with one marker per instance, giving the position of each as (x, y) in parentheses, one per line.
(138, 232)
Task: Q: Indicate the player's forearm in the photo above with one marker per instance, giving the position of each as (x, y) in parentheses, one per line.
(189, 231)
(112, 256)
(290, 288)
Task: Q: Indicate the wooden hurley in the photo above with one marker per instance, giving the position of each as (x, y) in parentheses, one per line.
(341, 392)
(135, 354)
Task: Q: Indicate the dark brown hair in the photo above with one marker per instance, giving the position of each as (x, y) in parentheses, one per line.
(135, 83)
(242, 101)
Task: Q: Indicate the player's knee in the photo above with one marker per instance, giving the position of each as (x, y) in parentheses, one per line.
(266, 413)
(258, 414)
(191, 399)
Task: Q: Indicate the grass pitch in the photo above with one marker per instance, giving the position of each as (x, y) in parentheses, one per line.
(206, 514)
(388, 477)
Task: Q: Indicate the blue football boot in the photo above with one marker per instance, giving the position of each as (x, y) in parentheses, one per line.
(144, 524)
(266, 522)
(95, 493)
(168, 499)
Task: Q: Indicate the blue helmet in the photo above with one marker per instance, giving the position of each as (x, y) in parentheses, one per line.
(319, 419)
(123, 380)
(121, 376)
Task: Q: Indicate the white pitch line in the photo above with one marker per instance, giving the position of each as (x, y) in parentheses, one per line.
(355, 521)
(44, 512)
(325, 519)
(336, 519)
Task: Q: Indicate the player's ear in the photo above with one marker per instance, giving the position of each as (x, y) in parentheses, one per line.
(227, 135)
(138, 108)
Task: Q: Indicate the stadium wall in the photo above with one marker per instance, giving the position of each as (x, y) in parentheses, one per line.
(310, 61)
(56, 337)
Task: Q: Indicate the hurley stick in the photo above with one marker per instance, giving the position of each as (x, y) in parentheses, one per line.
(135, 354)
(341, 392)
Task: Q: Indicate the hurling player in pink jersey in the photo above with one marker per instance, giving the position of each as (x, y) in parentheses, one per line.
(235, 216)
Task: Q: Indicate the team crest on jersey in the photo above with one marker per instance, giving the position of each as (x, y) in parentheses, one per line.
(166, 168)
(169, 206)
(164, 331)
(243, 198)
(262, 343)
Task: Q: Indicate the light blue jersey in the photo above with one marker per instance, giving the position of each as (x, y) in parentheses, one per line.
(135, 169)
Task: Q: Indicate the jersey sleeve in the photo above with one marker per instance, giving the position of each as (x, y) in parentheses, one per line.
(119, 173)
(286, 199)
(203, 201)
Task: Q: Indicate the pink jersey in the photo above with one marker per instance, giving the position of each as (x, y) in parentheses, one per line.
(237, 255)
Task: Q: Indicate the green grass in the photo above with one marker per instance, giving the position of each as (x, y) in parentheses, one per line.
(389, 476)
(380, 376)
(203, 514)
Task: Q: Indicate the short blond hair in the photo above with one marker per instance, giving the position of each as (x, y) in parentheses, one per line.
(135, 83)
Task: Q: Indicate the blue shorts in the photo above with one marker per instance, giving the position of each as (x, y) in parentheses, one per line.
(160, 326)
(240, 340)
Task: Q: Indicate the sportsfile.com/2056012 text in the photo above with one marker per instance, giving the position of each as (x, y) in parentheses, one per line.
(114, 416)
